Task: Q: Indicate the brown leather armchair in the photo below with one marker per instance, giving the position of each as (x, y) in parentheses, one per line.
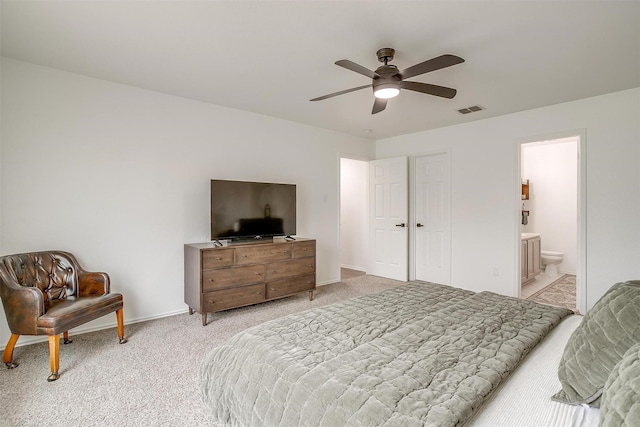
(48, 293)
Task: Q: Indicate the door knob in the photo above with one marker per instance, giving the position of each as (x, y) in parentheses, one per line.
(419, 225)
(402, 224)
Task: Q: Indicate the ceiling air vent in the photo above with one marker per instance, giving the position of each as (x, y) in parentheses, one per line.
(471, 109)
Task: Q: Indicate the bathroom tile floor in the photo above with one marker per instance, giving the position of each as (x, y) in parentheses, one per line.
(541, 281)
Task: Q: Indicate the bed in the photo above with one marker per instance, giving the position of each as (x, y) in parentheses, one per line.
(419, 354)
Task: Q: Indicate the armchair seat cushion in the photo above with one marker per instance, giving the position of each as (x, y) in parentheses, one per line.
(70, 312)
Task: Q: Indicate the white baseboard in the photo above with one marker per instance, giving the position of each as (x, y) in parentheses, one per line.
(31, 339)
(327, 282)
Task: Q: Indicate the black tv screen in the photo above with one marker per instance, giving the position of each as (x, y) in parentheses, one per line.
(252, 210)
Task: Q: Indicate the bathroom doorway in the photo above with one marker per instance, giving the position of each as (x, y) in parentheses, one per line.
(550, 222)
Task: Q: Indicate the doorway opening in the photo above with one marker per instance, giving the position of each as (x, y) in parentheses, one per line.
(550, 219)
(354, 211)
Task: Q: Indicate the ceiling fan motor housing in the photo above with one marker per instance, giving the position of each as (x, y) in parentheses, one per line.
(390, 78)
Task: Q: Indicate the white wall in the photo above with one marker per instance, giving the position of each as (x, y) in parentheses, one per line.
(120, 177)
(354, 214)
(485, 187)
(552, 171)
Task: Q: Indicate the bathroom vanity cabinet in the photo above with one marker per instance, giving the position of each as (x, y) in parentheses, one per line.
(529, 257)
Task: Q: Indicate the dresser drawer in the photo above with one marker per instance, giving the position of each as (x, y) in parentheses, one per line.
(262, 253)
(232, 276)
(283, 287)
(234, 297)
(289, 268)
(216, 258)
(303, 249)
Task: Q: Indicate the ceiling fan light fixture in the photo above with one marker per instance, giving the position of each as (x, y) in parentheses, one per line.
(386, 90)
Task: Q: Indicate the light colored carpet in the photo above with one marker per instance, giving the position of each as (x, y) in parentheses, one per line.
(561, 293)
(150, 381)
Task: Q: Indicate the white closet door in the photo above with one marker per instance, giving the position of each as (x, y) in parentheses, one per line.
(433, 219)
(388, 218)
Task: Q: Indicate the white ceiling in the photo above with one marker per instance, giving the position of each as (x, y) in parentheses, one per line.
(271, 57)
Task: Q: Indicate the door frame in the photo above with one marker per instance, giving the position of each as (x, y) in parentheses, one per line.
(581, 270)
(412, 207)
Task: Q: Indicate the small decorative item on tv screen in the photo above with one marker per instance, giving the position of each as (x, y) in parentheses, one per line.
(252, 210)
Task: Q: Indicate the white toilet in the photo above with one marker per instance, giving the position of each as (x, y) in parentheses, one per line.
(550, 261)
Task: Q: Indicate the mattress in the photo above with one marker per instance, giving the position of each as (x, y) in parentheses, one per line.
(524, 398)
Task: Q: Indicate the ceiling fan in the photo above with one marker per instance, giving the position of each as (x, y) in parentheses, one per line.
(387, 80)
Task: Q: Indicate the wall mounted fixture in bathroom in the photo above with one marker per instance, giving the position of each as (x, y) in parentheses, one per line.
(525, 189)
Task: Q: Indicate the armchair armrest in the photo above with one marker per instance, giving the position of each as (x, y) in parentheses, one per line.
(22, 306)
(93, 283)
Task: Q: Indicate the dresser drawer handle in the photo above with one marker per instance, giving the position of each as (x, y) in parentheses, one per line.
(258, 292)
(273, 289)
(212, 280)
(244, 255)
(219, 258)
(258, 274)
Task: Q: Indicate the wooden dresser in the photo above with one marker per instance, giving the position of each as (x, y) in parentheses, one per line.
(220, 278)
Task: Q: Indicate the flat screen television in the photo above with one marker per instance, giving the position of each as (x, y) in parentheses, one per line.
(242, 210)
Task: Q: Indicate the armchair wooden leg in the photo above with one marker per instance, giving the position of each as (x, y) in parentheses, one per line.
(120, 319)
(54, 357)
(65, 337)
(7, 356)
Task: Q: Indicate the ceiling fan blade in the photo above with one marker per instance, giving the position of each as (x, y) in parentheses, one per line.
(379, 105)
(349, 65)
(342, 92)
(433, 64)
(444, 92)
